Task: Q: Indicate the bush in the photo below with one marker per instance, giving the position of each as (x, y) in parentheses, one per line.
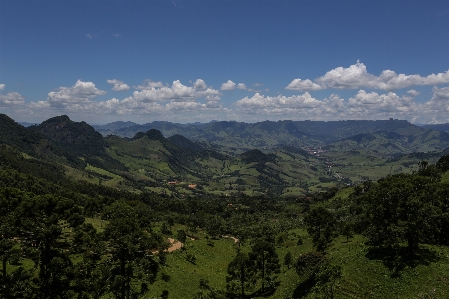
(191, 258)
(165, 276)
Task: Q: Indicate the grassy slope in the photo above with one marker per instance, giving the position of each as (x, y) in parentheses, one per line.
(363, 276)
(149, 160)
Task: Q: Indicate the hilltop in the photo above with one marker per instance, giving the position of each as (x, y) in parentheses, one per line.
(237, 137)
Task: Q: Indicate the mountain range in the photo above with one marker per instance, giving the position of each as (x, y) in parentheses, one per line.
(284, 157)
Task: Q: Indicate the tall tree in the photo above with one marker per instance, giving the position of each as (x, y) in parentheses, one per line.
(128, 243)
(44, 223)
(321, 226)
(241, 274)
(399, 209)
(265, 259)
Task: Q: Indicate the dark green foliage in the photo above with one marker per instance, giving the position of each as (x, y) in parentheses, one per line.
(190, 257)
(182, 236)
(164, 294)
(78, 139)
(16, 135)
(347, 230)
(266, 260)
(398, 210)
(317, 274)
(321, 226)
(288, 259)
(36, 224)
(308, 265)
(128, 244)
(32, 143)
(256, 156)
(443, 163)
(185, 143)
(241, 274)
(165, 228)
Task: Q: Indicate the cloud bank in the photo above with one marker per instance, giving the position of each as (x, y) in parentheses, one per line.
(374, 97)
(356, 76)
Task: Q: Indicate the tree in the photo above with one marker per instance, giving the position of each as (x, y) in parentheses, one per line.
(214, 226)
(288, 259)
(316, 268)
(241, 274)
(326, 278)
(41, 221)
(398, 210)
(8, 230)
(443, 163)
(308, 265)
(265, 259)
(321, 226)
(347, 230)
(128, 244)
(182, 236)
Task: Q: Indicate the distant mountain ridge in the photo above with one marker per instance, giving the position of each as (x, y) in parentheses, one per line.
(439, 127)
(237, 137)
(283, 157)
(114, 125)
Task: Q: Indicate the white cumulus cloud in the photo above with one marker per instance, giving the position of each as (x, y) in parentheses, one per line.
(199, 84)
(241, 86)
(81, 92)
(356, 76)
(413, 93)
(303, 85)
(118, 85)
(11, 98)
(259, 101)
(372, 103)
(228, 85)
(438, 104)
(177, 92)
(2, 86)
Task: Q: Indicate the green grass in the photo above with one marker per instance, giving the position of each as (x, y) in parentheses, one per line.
(364, 276)
(97, 223)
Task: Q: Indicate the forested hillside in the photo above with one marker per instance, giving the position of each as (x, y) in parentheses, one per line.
(73, 230)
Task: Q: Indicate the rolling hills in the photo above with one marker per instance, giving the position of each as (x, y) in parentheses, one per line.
(228, 158)
(68, 173)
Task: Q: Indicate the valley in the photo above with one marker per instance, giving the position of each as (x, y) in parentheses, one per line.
(152, 214)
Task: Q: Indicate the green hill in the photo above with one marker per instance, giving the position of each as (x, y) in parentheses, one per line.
(79, 139)
(400, 141)
(235, 138)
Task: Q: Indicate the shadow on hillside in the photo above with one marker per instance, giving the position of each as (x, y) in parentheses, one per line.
(304, 288)
(269, 291)
(397, 259)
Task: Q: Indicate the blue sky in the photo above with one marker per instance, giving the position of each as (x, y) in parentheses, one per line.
(188, 61)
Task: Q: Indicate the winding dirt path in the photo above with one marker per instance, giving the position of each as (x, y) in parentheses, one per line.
(174, 245)
(231, 237)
